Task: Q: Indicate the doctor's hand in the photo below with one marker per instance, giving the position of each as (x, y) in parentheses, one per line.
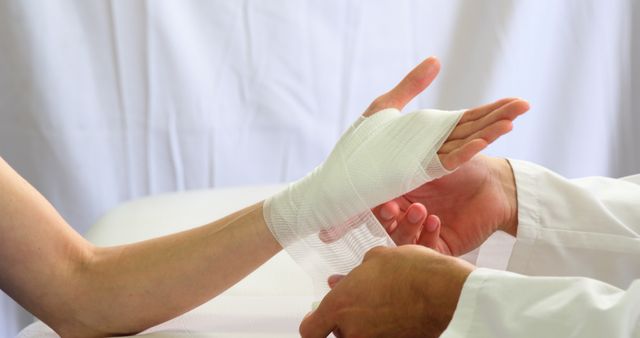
(409, 291)
(464, 208)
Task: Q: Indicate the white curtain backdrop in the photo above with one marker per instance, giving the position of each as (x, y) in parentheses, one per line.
(105, 101)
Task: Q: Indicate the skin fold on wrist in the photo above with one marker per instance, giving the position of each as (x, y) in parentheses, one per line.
(508, 183)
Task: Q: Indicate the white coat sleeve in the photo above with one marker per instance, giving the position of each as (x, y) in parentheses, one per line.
(583, 236)
(588, 227)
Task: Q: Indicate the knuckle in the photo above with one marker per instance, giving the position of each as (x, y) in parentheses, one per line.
(303, 330)
(374, 252)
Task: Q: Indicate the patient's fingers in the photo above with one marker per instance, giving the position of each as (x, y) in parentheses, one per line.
(462, 154)
(508, 111)
(410, 225)
(478, 112)
(412, 85)
(489, 134)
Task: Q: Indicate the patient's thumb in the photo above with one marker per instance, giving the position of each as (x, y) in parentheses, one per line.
(409, 87)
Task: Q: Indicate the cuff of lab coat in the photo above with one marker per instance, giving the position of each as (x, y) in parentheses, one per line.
(529, 219)
(462, 322)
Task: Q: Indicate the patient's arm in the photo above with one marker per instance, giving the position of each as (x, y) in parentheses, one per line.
(81, 290)
(84, 291)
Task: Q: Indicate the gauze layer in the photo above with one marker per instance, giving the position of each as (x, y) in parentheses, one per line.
(324, 220)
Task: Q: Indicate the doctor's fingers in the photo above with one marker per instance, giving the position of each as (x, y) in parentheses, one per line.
(387, 214)
(417, 226)
(509, 111)
(430, 234)
(320, 322)
(333, 280)
(392, 215)
(409, 87)
(410, 224)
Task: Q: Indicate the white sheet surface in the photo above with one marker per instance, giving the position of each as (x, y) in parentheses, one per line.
(106, 101)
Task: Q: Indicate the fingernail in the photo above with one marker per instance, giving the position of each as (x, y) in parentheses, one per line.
(386, 213)
(414, 215)
(431, 225)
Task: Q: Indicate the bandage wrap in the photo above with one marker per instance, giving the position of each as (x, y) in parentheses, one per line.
(324, 220)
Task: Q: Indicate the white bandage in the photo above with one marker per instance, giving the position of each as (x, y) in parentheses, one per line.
(324, 220)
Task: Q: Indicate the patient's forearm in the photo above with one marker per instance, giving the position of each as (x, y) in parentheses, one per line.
(152, 281)
(81, 290)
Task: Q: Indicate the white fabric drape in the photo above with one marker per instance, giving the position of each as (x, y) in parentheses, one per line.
(104, 101)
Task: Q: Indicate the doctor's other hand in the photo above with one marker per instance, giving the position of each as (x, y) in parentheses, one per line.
(426, 287)
(462, 209)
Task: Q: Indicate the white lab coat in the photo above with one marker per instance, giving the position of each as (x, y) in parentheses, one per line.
(575, 267)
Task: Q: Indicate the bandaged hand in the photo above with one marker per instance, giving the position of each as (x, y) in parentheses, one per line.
(377, 159)
(384, 154)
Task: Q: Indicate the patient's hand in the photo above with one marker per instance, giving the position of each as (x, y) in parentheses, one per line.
(477, 128)
(471, 204)
(467, 206)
